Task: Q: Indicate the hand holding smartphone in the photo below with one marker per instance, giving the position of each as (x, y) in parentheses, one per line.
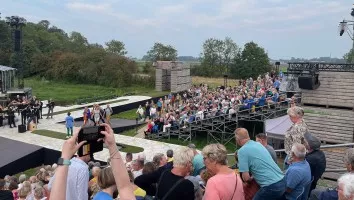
(92, 136)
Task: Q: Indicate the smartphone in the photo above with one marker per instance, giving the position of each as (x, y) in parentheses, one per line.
(91, 134)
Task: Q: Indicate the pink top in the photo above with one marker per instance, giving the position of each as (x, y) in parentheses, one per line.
(222, 186)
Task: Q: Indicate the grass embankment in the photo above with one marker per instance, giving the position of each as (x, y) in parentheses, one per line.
(70, 93)
(129, 114)
(58, 135)
(213, 82)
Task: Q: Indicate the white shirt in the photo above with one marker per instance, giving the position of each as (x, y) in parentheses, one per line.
(77, 182)
(137, 173)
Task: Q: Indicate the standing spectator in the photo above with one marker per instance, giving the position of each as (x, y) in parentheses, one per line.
(40, 109)
(87, 115)
(296, 132)
(147, 110)
(255, 160)
(107, 184)
(346, 187)
(78, 179)
(225, 184)
(140, 112)
(95, 173)
(69, 123)
(11, 116)
(198, 163)
(108, 112)
(315, 157)
(262, 138)
(159, 107)
(96, 115)
(298, 175)
(153, 112)
(276, 84)
(169, 155)
(138, 192)
(50, 105)
(5, 194)
(160, 160)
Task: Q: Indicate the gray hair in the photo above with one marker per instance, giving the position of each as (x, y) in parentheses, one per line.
(22, 178)
(349, 157)
(299, 150)
(216, 152)
(296, 111)
(347, 182)
(157, 158)
(182, 157)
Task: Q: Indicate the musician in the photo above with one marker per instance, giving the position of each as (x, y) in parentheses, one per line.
(40, 109)
(11, 115)
(50, 106)
(31, 114)
(23, 109)
(36, 107)
(1, 116)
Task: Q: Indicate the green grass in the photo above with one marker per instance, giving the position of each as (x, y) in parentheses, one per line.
(70, 93)
(53, 134)
(129, 114)
(132, 132)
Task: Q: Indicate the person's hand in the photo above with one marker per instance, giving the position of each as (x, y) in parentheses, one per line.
(108, 133)
(70, 146)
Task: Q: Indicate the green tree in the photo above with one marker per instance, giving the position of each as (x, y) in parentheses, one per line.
(349, 57)
(161, 52)
(252, 62)
(116, 47)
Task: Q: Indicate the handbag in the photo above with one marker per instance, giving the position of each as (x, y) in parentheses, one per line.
(250, 189)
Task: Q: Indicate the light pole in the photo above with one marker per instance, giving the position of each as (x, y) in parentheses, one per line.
(343, 27)
(16, 23)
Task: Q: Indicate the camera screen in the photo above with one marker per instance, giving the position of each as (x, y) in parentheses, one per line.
(89, 130)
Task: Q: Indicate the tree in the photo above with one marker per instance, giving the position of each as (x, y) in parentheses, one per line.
(44, 23)
(116, 47)
(161, 52)
(349, 57)
(252, 62)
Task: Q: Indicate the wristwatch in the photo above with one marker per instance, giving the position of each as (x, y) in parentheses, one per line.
(62, 161)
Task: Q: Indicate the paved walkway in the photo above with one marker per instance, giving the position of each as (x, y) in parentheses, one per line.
(150, 147)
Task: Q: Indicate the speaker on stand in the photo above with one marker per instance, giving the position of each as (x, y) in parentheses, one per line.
(309, 82)
(21, 128)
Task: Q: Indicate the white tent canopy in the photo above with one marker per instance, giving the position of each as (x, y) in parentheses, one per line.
(276, 128)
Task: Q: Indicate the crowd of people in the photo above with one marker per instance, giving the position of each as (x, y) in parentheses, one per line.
(191, 174)
(178, 110)
(29, 110)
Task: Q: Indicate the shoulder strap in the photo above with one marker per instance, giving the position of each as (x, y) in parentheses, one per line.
(235, 188)
(158, 183)
(172, 188)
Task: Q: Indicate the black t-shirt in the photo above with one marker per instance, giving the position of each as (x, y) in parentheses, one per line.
(6, 195)
(184, 190)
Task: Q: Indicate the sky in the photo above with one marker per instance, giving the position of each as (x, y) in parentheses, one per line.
(284, 28)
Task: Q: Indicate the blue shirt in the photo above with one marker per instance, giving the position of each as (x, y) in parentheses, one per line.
(198, 163)
(254, 158)
(297, 176)
(261, 101)
(275, 97)
(159, 104)
(276, 84)
(102, 196)
(69, 121)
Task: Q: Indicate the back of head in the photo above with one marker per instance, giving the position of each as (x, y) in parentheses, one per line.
(261, 136)
(216, 152)
(24, 191)
(96, 171)
(242, 133)
(313, 142)
(157, 158)
(13, 186)
(299, 150)
(182, 157)
(38, 192)
(296, 111)
(149, 167)
(346, 184)
(349, 158)
(169, 153)
(105, 178)
(2, 184)
(22, 178)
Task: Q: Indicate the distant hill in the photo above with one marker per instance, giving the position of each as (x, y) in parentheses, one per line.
(188, 58)
(320, 59)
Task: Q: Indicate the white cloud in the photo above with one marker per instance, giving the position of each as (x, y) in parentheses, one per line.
(172, 9)
(88, 7)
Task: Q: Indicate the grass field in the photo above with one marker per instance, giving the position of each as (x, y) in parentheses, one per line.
(129, 114)
(213, 82)
(58, 135)
(69, 93)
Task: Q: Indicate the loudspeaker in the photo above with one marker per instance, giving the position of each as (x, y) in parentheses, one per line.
(308, 82)
(21, 128)
(18, 40)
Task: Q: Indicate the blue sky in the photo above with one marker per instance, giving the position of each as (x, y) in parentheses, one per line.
(285, 28)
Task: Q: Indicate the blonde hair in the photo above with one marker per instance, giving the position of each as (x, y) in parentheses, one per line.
(182, 157)
(25, 190)
(295, 111)
(105, 178)
(216, 152)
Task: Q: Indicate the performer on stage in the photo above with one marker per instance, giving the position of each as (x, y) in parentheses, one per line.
(50, 106)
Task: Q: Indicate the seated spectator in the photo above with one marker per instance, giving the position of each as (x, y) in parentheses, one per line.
(159, 160)
(171, 182)
(315, 157)
(25, 191)
(298, 175)
(138, 192)
(39, 193)
(128, 161)
(256, 160)
(225, 184)
(5, 194)
(330, 194)
(107, 184)
(22, 178)
(198, 163)
(95, 173)
(137, 167)
(13, 188)
(346, 187)
(262, 138)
